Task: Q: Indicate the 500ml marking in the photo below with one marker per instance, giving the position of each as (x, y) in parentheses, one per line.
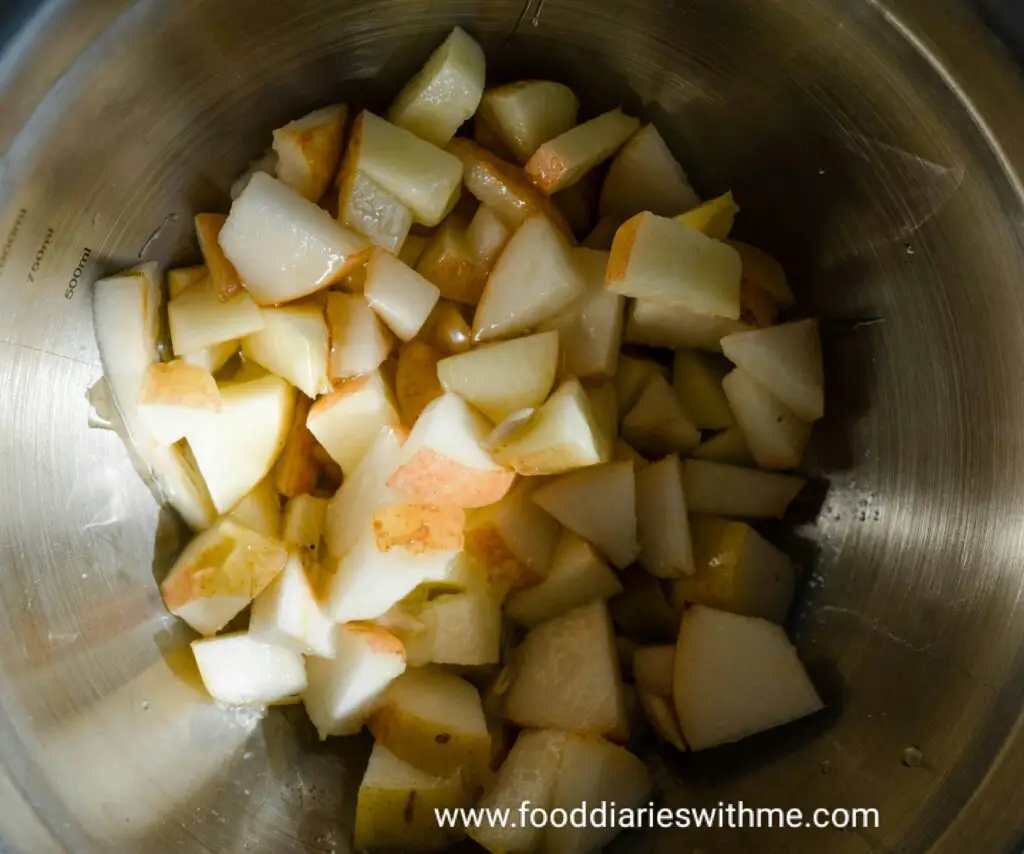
(40, 254)
(76, 276)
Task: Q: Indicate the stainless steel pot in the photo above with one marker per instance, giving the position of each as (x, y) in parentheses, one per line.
(876, 147)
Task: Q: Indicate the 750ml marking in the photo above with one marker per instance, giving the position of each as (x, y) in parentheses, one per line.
(40, 254)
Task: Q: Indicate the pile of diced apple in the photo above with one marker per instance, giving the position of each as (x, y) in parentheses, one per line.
(398, 414)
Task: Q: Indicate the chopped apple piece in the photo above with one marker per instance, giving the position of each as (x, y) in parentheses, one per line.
(624, 452)
(487, 137)
(177, 398)
(527, 776)
(359, 340)
(658, 325)
(236, 450)
(736, 676)
(450, 264)
(126, 316)
(412, 249)
(303, 525)
(658, 424)
(599, 504)
(444, 93)
(757, 306)
(603, 234)
(342, 690)
(504, 187)
(297, 470)
(284, 246)
(362, 493)
(605, 407)
(219, 573)
(444, 461)
(578, 575)
(593, 771)
(764, 271)
(434, 721)
(513, 538)
(578, 203)
(562, 161)
(309, 150)
(372, 578)
(631, 379)
(713, 218)
(419, 528)
(260, 510)
(212, 358)
(562, 435)
(528, 113)
(662, 526)
(487, 235)
(224, 278)
(786, 360)
(697, 380)
(287, 614)
(659, 259)
(181, 279)
(399, 295)
(423, 177)
(461, 627)
(590, 331)
(737, 570)
(416, 382)
(662, 717)
(775, 436)
(348, 420)
(397, 807)
(729, 446)
(567, 676)
(654, 668)
(446, 330)
(266, 162)
(644, 176)
(503, 378)
(198, 318)
(642, 610)
(368, 209)
(724, 490)
(535, 279)
(242, 670)
(293, 344)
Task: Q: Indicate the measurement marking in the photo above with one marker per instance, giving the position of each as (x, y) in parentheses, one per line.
(45, 352)
(12, 236)
(76, 276)
(44, 247)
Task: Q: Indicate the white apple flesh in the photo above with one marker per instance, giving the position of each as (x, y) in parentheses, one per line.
(736, 676)
(598, 504)
(284, 246)
(664, 261)
(293, 344)
(399, 295)
(444, 93)
(644, 176)
(502, 378)
(342, 690)
(534, 279)
(528, 113)
(241, 670)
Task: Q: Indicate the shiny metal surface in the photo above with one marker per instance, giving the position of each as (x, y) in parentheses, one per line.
(876, 147)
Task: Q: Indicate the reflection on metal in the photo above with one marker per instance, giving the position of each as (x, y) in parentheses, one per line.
(871, 147)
